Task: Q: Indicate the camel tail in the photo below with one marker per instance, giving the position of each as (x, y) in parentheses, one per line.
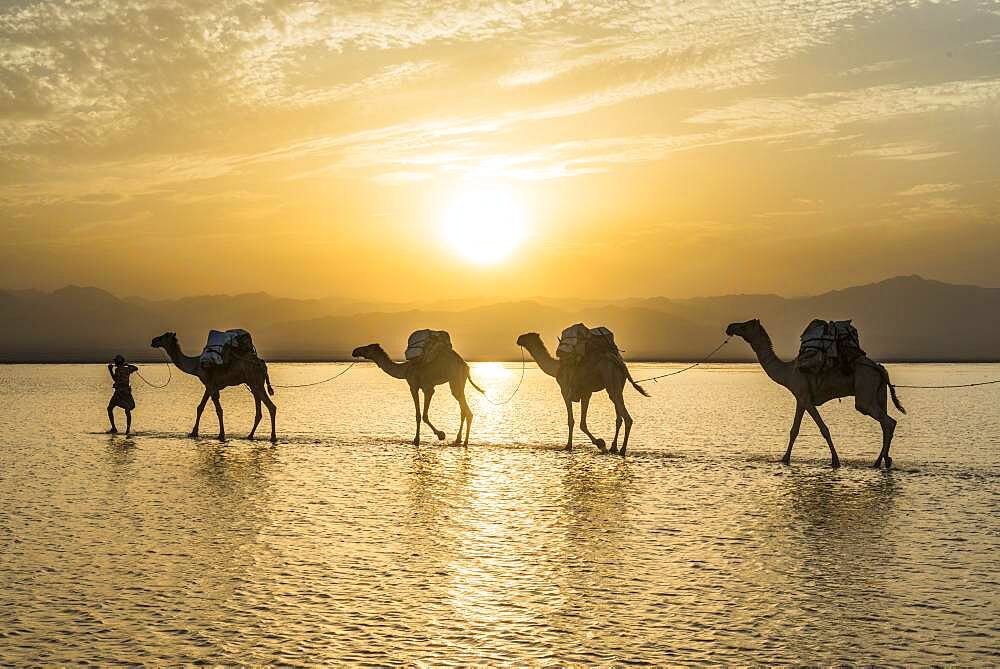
(641, 390)
(628, 375)
(892, 390)
(468, 375)
(267, 381)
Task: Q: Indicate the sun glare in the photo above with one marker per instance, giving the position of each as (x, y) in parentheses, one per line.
(484, 224)
(490, 370)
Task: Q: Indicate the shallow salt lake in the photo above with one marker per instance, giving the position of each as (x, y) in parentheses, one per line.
(346, 543)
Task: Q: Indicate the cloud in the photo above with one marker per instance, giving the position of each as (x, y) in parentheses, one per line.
(137, 62)
(939, 208)
(879, 66)
(87, 73)
(817, 119)
(383, 80)
(903, 151)
(471, 145)
(824, 112)
(929, 189)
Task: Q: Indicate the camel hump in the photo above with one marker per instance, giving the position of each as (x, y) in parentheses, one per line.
(426, 345)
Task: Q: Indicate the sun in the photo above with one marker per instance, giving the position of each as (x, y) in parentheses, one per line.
(484, 224)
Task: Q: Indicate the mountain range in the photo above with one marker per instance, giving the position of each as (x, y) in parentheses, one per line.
(901, 318)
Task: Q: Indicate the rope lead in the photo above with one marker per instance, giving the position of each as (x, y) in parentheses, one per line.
(957, 385)
(170, 374)
(705, 359)
(307, 385)
(516, 388)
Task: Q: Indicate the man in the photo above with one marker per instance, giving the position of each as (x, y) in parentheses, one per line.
(123, 392)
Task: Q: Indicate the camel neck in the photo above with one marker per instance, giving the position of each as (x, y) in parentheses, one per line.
(185, 363)
(546, 362)
(773, 366)
(385, 363)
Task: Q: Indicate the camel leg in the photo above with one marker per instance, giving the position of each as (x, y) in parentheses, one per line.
(627, 417)
(128, 421)
(871, 399)
(258, 414)
(618, 398)
(468, 421)
(793, 433)
(272, 410)
(584, 405)
(201, 408)
(569, 423)
(428, 394)
(218, 412)
(888, 424)
(458, 392)
(111, 417)
(461, 425)
(415, 392)
(825, 431)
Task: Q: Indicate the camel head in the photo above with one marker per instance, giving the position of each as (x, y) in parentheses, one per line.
(367, 351)
(746, 329)
(529, 339)
(164, 340)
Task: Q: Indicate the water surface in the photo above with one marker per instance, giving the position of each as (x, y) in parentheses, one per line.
(346, 543)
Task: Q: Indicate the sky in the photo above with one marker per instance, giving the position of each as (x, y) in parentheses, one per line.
(426, 150)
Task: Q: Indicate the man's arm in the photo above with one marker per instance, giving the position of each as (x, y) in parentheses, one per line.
(131, 369)
(111, 370)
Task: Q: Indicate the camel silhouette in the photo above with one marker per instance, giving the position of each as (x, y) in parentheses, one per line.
(446, 367)
(578, 383)
(867, 383)
(251, 372)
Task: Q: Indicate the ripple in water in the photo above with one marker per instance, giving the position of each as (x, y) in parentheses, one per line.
(345, 543)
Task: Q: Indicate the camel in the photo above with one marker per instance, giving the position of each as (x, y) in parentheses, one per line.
(867, 384)
(240, 371)
(606, 372)
(447, 367)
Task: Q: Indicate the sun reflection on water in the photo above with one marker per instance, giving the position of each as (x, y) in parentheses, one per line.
(490, 371)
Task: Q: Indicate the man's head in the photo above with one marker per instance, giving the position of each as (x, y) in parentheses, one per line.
(119, 360)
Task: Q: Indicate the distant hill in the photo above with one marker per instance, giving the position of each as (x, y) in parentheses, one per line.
(902, 318)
